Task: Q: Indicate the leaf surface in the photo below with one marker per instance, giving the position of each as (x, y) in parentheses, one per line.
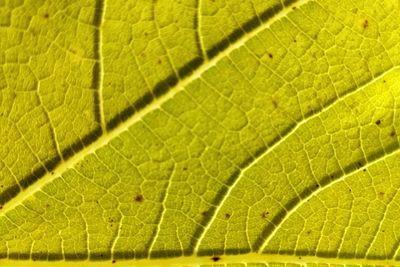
(158, 129)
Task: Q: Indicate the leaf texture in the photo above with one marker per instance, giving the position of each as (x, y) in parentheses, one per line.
(200, 128)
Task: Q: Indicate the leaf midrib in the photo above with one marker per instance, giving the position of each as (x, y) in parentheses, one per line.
(106, 137)
(220, 259)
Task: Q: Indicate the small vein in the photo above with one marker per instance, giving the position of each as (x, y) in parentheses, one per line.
(200, 41)
(100, 10)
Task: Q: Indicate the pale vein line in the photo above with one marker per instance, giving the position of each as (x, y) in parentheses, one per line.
(395, 255)
(349, 223)
(52, 128)
(163, 211)
(299, 204)
(203, 50)
(156, 104)
(282, 140)
(380, 221)
(101, 64)
(115, 240)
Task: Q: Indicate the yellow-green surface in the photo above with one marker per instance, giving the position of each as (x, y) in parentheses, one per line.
(143, 129)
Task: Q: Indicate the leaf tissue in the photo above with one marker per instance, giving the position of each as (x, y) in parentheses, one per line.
(200, 132)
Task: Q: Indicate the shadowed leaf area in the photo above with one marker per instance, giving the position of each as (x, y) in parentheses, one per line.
(147, 130)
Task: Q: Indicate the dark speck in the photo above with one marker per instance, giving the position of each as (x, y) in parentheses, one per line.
(113, 261)
(378, 122)
(294, 8)
(139, 198)
(215, 258)
(46, 16)
(365, 24)
(264, 214)
(159, 61)
(227, 215)
(393, 133)
(270, 55)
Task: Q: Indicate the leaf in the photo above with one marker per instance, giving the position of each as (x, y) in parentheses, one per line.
(138, 130)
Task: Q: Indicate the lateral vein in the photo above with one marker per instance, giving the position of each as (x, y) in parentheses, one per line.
(156, 104)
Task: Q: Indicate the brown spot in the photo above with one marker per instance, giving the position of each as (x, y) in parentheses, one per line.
(349, 190)
(146, 33)
(113, 261)
(215, 258)
(317, 185)
(364, 170)
(184, 168)
(309, 232)
(299, 258)
(295, 41)
(378, 122)
(365, 24)
(270, 55)
(159, 61)
(393, 133)
(264, 214)
(46, 15)
(294, 7)
(139, 198)
(227, 215)
(52, 173)
(275, 104)
(1, 207)
(204, 213)
(384, 81)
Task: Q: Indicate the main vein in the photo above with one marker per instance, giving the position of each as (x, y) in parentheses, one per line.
(156, 104)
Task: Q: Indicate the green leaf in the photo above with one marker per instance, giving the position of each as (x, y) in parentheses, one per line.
(186, 132)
